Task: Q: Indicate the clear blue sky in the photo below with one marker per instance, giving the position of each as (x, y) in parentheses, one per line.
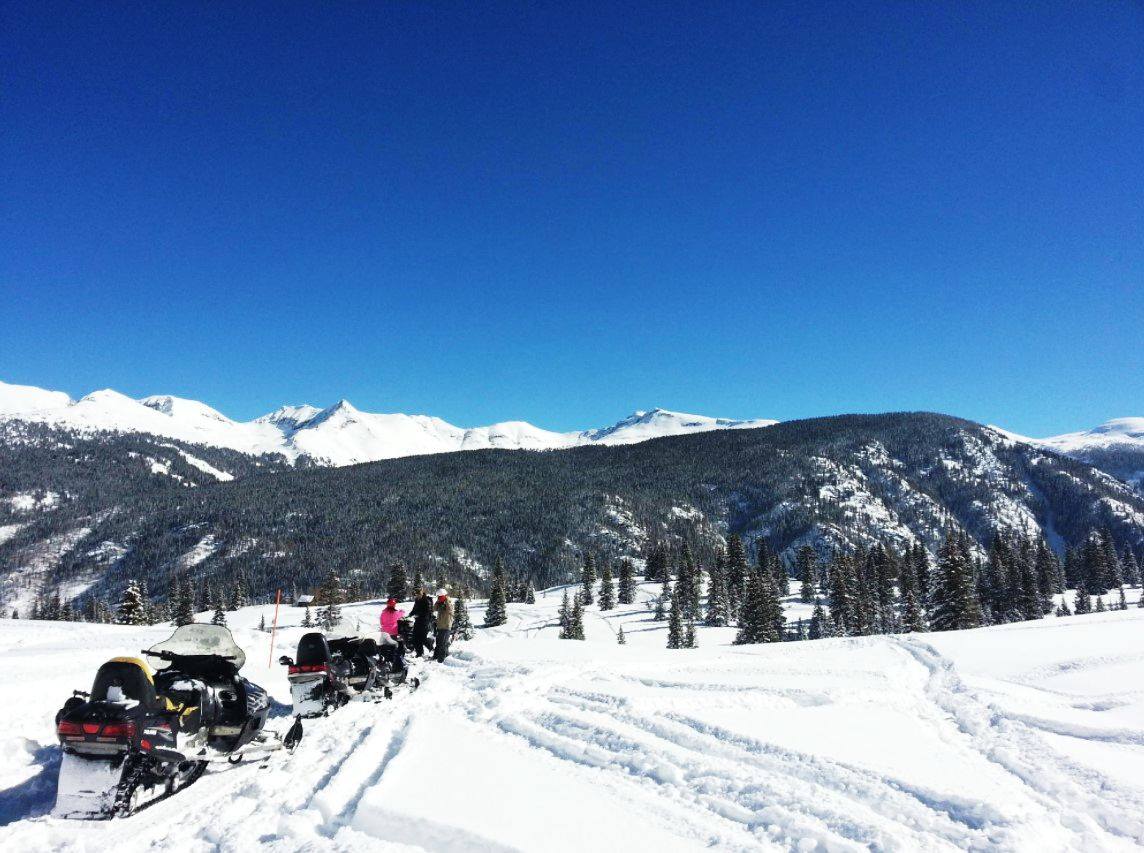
(563, 211)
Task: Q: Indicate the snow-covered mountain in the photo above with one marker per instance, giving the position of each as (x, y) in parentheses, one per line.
(1116, 446)
(337, 435)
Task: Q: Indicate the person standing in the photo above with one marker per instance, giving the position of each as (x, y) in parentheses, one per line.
(422, 613)
(390, 617)
(443, 610)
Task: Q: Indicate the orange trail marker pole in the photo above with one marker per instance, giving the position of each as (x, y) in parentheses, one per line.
(274, 627)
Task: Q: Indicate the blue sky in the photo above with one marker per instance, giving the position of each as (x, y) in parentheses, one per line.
(561, 212)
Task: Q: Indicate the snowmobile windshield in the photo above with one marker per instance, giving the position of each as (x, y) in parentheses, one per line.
(198, 640)
(352, 626)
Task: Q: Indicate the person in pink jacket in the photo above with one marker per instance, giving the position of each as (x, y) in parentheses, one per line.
(389, 617)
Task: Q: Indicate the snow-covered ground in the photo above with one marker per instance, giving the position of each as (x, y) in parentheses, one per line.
(1023, 737)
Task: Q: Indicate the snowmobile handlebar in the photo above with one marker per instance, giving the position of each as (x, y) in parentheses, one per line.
(174, 656)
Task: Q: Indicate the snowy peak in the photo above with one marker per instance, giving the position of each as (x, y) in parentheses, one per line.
(641, 426)
(339, 434)
(1115, 431)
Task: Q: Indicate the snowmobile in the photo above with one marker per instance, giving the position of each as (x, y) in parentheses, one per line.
(322, 678)
(328, 672)
(141, 735)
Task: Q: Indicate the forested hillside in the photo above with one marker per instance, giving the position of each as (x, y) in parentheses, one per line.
(134, 507)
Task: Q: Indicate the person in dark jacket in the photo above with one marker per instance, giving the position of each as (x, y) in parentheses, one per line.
(443, 611)
(422, 615)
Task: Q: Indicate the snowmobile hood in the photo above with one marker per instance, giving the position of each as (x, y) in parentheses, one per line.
(200, 639)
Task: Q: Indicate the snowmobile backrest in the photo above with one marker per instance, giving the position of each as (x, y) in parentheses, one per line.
(125, 677)
(368, 647)
(313, 649)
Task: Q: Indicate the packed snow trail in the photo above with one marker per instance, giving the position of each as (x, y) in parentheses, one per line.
(1023, 737)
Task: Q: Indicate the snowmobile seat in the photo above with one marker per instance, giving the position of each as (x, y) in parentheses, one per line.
(368, 647)
(126, 678)
(313, 650)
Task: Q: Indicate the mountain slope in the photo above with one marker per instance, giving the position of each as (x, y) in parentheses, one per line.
(337, 435)
(830, 482)
(1116, 446)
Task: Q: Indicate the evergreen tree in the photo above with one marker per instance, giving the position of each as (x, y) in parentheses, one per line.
(148, 604)
(184, 605)
(419, 580)
(662, 602)
(496, 614)
(576, 621)
(656, 565)
(1139, 603)
(884, 596)
(736, 570)
(1099, 604)
(843, 604)
(687, 584)
(1131, 568)
(565, 617)
(627, 590)
(1110, 561)
(757, 621)
(131, 608)
(913, 615)
(689, 639)
(806, 563)
(1122, 603)
(462, 624)
(1082, 604)
(331, 598)
(821, 625)
(956, 604)
(219, 617)
(398, 584)
(718, 599)
(529, 595)
(262, 622)
(675, 623)
(607, 587)
(241, 594)
(588, 578)
(307, 618)
(620, 638)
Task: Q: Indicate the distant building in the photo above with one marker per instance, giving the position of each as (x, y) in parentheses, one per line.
(303, 601)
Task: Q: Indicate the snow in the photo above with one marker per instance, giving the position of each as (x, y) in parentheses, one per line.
(1021, 737)
(337, 435)
(1118, 431)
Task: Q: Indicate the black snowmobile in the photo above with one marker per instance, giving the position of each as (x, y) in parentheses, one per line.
(322, 678)
(139, 735)
(328, 672)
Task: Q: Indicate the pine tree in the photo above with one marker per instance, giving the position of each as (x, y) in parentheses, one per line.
(576, 621)
(661, 605)
(718, 600)
(219, 617)
(262, 622)
(1131, 568)
(736, 570)
(307, 618)
(529, 595)
(656, 565)
(913, 616)
(1082, 604)
(495, 613)
(843, 604)
(331, 598)
(462, 624)
(565, 617)
(588, 579)
(675, 624)
(148, 604)
(398, 584)
(620, 638)
(1122, 603)
(885, 599)
(820, 623)
(956, 604)
(131, 609)
(806, 562)
(184, 601)
(689, 638)
(1110, 561)
(241, 595)
(627, 590)
(607, 587)
(1099, 604)
(757, 620)
(690, 583)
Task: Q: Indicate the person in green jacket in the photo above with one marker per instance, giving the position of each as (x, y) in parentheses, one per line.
(443, 611)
